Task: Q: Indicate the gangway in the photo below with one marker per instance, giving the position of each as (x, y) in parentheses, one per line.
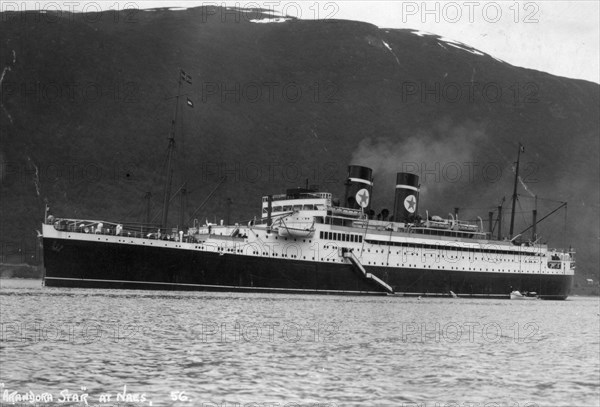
(348, 254)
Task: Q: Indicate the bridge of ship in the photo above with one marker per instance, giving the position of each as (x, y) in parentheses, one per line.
(316, 202)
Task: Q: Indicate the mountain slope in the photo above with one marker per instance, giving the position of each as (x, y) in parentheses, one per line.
(88, 100)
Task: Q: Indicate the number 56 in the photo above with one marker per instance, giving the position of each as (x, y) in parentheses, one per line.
(178, 396)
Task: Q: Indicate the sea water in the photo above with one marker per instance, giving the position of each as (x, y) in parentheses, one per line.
(166, 348)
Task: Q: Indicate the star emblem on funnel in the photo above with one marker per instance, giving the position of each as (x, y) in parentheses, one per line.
(410, 203)
(362, 198)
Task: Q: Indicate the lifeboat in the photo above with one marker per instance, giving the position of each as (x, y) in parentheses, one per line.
(517, 295)
(290, 227)
(437, 222)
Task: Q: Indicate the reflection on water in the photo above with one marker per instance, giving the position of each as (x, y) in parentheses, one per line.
(186, 349)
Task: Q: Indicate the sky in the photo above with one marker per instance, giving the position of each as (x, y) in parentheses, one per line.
(559, 37)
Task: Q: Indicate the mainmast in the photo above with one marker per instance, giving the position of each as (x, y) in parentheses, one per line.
(514, 197)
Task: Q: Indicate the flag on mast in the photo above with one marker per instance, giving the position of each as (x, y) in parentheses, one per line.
(185, 77)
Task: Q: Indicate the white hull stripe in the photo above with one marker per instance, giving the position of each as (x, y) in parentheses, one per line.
(407, 187)
(362, 181)
(206, 285)
(264, 289)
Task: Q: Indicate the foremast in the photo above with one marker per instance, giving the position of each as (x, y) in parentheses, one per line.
(183, 77)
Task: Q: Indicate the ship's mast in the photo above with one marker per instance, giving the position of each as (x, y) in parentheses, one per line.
(148, 198)
(514, 197)
(171, 148)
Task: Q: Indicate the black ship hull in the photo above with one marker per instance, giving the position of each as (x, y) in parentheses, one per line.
(76, 263)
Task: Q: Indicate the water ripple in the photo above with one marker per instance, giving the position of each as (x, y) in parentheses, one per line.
(256, 348)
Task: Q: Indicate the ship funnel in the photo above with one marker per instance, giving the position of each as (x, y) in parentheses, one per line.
(359, 187)
(407, 197)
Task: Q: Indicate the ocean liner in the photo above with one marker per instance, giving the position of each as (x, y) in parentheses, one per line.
(305, 241)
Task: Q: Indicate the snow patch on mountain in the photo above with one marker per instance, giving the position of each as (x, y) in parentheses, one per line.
(471, 50)
(6, 69)
(448, 41)
(391, 50)
(423, 33)
(270, 20)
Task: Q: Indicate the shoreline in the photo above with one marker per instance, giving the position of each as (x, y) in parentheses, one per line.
(21, 271)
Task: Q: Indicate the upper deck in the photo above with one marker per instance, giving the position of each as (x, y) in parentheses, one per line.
(297, 200)
(310, 204)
